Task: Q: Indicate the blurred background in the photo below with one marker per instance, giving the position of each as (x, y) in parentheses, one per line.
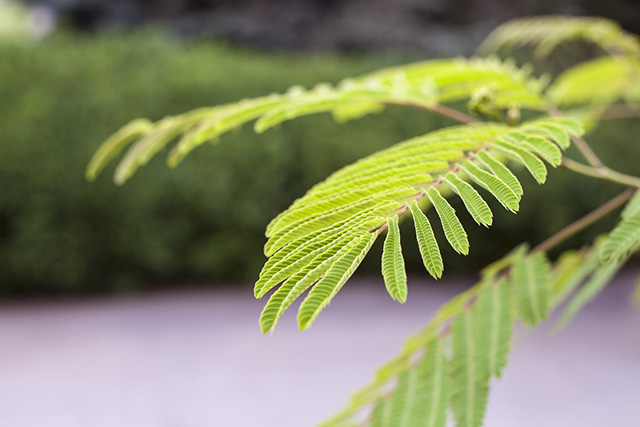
(82, 264)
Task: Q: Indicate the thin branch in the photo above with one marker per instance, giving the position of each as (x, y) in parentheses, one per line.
(620, 111)
(601, 173)
(585, 221)
(442, 110)
(587, 152)
(454, 114)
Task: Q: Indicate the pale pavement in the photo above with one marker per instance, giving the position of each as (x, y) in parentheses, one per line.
(196, 359)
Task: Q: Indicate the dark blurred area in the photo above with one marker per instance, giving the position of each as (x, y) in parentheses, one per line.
(431, 26)
(75, 71)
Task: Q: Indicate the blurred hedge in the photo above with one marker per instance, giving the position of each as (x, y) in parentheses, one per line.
(203, 221)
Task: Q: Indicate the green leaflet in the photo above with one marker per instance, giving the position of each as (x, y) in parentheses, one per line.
(295, 285)
(531, 281)
(403, 401)
(427, 242)
(388, 188)
(115, 144)
(493, 323)
(382, 206)
(632, 206)
(432, 393)
(492, 184)
(474, 203)
(339, 272)
(535, 166)
(393, 272)
(502, 172)
(567, 124)
(357, 110)
(420, 396)
(622, 240)
(324, 98)
(299, 252)
(546, 149)
(224, 119)
(596, 283)
(381, 414)
(453, 230)
(469, 381)
(553, 133)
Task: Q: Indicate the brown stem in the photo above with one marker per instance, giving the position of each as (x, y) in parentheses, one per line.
(620, 111)
(584, 222)
(442, 110)
(602, 172)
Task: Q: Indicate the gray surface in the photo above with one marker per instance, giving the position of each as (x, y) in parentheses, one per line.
(196, 359)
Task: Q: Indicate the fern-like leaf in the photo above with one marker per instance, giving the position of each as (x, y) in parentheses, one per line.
(501, 191)
(115, 144)
(469, 381)
(431, 410)
(545, 33)
(504, 174)
(608, 79)
(570, 270)
(596, 283)
(423, 84)
(492, 318)
(632, 207)
(535, 166)
(453, 230)
(427, 242)
(531, 281)
(623, 239)
(395, 277)
(339, 272)
(474, 203)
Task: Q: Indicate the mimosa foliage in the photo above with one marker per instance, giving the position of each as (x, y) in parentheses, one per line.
(443, 374)
(467, 343)
(545, 33)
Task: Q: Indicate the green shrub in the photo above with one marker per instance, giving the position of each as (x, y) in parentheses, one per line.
(61, 97)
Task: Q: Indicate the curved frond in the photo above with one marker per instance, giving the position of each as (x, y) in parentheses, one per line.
(632, 207)
(602, 275)
(570, 270)
(493, 323)
(395, 277)
(531, 279)
(373, 192)
(623, 239)
(501, 191)
(115, 144)
(420, 397)
(423, 85)
(600, 81)
(336, 276)
(545, 33)
(469, 380)
(469, 337)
